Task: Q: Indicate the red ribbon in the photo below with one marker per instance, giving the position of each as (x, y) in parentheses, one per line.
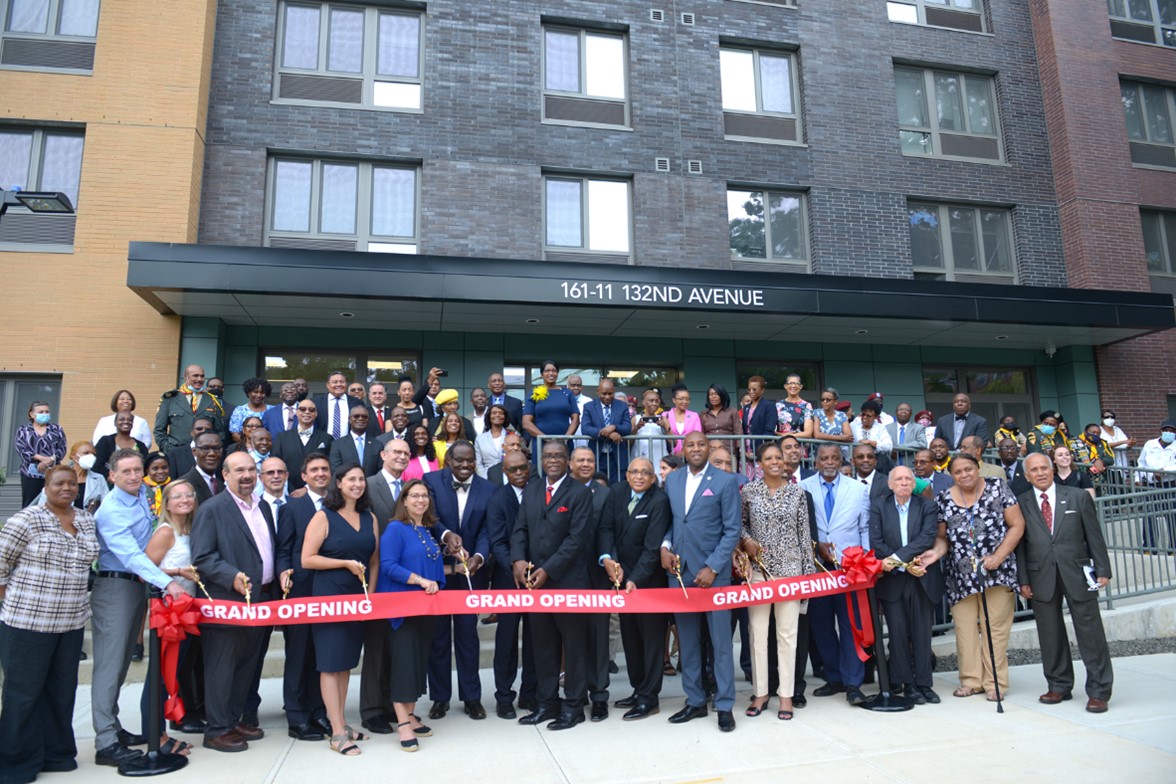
(861, 569)
(173, 620)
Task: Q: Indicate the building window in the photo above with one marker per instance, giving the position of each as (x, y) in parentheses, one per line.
(947, 114)
(759, 95)
(1148, 109)
(1145, 21)
(1159, 239)
(773, 231)
(281, 364)
(351, 55)
(585, 77)
(48, 34)
(953, 242)
(40, 160)
(586, 215)
(342, 205)
(954, 14)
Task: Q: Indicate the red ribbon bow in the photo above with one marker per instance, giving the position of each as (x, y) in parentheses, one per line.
(173, 620)
(861, 568)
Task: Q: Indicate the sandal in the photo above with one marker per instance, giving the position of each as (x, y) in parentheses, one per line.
(353, 735)
(343, 745)
(668, 669)
(784, 715)
(421, 731)
(175, 746)
(966, 691)
(991, 695)
(408, 745)
(754, 710)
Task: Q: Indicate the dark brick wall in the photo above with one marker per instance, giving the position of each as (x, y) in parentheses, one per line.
(482, 147)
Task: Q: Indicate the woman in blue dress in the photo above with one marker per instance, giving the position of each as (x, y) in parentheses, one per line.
(551, 410)
(341, 546)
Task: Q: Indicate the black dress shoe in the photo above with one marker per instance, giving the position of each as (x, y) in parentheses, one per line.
(854, 696)
(599, 711)
(929, 694)
(59, 766)
(378, 725)
(567, 720)
(308, 731)
(137, 652)
(116, 754)
(914, 695)
(799, 700)
(322, 724)
(505, 710)
(189, 726)
(474, 709)
(539, 717)
(438, 710)
(641, 710)
(627, 702)
(726, 721)
(829, 689)
(688, 713)
(130, 739)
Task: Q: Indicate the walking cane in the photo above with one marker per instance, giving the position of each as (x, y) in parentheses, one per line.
(988, 632)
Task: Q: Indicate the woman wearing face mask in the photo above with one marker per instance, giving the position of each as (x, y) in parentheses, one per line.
(124, 422)
(1115, 438)
(927, 420)
(41, 445)
(123, 400)
(90, 480)
(1045, 436)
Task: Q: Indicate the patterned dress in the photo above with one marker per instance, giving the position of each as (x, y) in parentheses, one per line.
(972, 533)
(790, 417)
(780, 523)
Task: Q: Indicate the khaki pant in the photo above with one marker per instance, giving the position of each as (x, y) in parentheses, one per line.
(758, 618)
(972, 638)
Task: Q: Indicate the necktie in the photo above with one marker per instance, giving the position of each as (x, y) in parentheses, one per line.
(359, 447)
(336, 429)
(1011, 471)
(901, 441)
(865, 482)
(278, 503)
(380, 418)
(1047, 512)
(828, 501)
(607, 416)
(214, 484)
(462, 486)
(549, 490)
(395, 488)
(291, 418)
(792, 479)
(633, 503)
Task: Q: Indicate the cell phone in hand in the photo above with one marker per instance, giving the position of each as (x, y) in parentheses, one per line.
(443, 373)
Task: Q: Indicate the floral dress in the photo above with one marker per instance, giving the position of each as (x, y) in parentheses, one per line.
(790, 417)
(972, 533)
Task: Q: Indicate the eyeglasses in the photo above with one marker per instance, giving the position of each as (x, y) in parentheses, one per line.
(639, 472)
(276, 472)
(217, 448)
(182, 495)
(306, 410)
(417, 496)
(517, 469)
(828, 399)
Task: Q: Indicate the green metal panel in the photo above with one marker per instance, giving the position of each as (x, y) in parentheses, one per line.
(201, 341)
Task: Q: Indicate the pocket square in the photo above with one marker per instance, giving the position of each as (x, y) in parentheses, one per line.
(640, 517)
(561, 509)
(1071, 511)
(706, 492)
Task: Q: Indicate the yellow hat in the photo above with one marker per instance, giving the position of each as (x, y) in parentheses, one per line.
(446, 396)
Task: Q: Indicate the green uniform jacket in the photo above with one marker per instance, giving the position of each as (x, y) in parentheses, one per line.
(173, 423)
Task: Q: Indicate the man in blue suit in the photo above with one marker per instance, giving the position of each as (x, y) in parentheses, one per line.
(843, 520)
(498, 396)
(704, 532)
(460, 497)
(606, 422)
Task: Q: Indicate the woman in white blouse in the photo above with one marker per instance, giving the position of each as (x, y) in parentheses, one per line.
(123, 400)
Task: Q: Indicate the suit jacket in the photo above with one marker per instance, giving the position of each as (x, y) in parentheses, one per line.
(343, 452)
(472, 525)
(288, 446)
(555, 537)
(180, 461)
(501, 512)
(274, 420)
(879, 486)
(494, 474)
(886, 539)
(850, 523)
(196, 479)
(1018, 484)
(974, 425)
(292, 523)
(323, 421)
(379, 495)
(634, 539)
(916, 435)
(765, 420)
(592, 422)
(223, 545)
(1076, 540)
(709, 532)
(374, 430)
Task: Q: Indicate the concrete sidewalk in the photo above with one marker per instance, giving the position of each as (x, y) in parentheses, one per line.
(960, 740)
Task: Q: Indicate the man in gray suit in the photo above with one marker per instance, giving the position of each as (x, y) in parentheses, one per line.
(1062, 534)
(704, 532)
(905, 433)
(356, 446)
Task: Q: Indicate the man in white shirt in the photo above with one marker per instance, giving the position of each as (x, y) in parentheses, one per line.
(1159, 454)
(905, 433)
(273, 483)
(576, 387)
(479, 401)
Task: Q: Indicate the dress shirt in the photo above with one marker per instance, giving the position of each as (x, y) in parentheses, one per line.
(903, 511)
(289, 417)
(360, 444)
(400, 436)
(344, 411)
(693, 480)
(1051, 493)
(318, 500)
(849, 524)
(478, 420)
(304, 435)
(124, 528)
(251, 511)
(275, 503)
(554, 485)
(462, 491)
(394, 484)
(207, 479)
(958, 429)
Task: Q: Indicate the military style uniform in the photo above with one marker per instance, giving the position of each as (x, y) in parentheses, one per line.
(173, 423)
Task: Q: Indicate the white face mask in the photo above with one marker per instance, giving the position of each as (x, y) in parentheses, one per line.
(1109, 421)
(86, 461)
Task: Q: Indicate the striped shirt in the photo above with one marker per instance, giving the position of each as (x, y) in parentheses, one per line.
(45, 570)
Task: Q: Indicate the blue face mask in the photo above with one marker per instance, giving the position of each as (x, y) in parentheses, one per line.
(1048, 430)
(1167, 436)
(43, 419)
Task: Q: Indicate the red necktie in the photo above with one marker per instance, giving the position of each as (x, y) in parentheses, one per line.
(549, 489)
(1047, 512)
(792, 479)
(380, 418)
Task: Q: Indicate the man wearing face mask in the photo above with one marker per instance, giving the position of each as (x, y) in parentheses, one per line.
(215, 386)
(1159, 454)
(1008, 429)
(260, 444)
(179, 408)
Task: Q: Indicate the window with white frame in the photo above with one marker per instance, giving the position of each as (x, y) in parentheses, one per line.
(1150, 113)
(1144, 21)
(354, 55)
(585, 76)
(767, 225)
(759, 88)
(947, 114)
(957, 242)
(48, 34)
(586, 215)
(342, 205)
(1159, 240)
(40, 159)
(953, 14)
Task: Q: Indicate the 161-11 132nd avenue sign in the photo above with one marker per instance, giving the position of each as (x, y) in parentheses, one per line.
(662, 294)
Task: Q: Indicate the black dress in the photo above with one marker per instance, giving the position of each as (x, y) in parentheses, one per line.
(337, 645)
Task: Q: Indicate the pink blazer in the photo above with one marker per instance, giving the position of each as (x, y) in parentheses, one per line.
(693, 422)
(415, 470)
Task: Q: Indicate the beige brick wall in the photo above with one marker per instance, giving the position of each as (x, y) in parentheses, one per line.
(144, 110)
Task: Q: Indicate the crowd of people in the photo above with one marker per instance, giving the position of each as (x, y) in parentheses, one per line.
(339, 491)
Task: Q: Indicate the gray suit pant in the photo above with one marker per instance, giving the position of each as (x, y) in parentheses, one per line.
(118, 607)
(1091, 638)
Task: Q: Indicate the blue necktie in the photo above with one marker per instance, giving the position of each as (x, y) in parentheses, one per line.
(828, 501)
(395, 490)
(359, 448)
(901, 441)
(335, 426)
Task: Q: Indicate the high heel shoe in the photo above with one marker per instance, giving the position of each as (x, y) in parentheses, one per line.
(408, 745)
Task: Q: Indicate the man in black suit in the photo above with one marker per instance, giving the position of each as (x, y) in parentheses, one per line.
(356, 446)
(955, 427)
(583, 470)
(903, 526)
(865, 470)
(759, 417)
(301, 695)
(334, 406)
(180, 459)
(1010, 465)
(233, 546)
(379, 412)
(460, 497)
(633, 524)
(511, 442)
(205, 475)
(306, 438)
(551, 542)
(500, 518)
(498, 395)
(400, 422)
(1062, 535)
